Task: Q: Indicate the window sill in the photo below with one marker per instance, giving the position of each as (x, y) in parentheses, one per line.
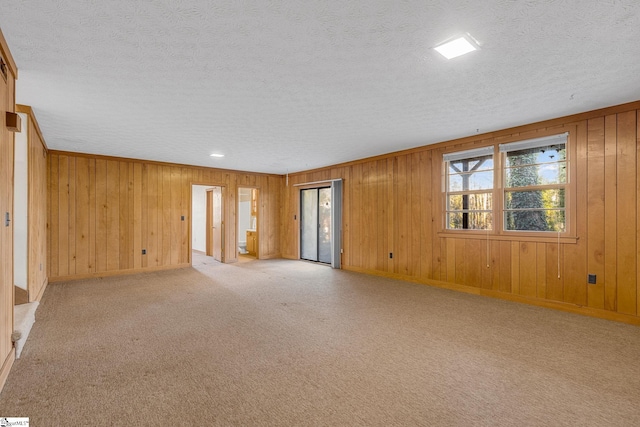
(524, 237)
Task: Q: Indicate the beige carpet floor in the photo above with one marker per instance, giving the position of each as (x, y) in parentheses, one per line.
(291, 343)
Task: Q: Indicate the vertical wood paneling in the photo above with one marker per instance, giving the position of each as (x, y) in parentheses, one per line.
(359, 236)
(166, 211)
(541, 270)
(185, 202)
(450, 250)
(82, 216)
(123, 216)
(154, 203)
(505, 267)
(377, 214)
(487, 266)
(7, 103)
(515, 267)
(426, 226)
(474, 259)
(461, 261)
(63, 216)
(439, 245)
(175, 216)
(596, 211)
(415, 237)
(71, 228)
(145, 215)
(113, 215)
(575, 285)
(367, 211)
(137, 215)
(626, 212)
(391, 204)
(527, 260)
(610, 213)
(555, 273)
(54, 206)
(107, 210)
(93, 215)
(101, 213)
(637, 211)
(390, 190)
(402, 216)
(37, 211)
(346, 211)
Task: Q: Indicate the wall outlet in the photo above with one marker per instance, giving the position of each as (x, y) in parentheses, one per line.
(144, 252)
(592, 279)
(390, 254)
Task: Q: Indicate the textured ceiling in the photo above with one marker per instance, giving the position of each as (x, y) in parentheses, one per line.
(284, 86)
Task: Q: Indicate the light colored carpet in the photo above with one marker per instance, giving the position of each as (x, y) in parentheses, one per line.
(292, 343)
(24, 316)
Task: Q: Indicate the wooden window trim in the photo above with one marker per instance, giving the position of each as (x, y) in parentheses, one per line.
(569, 236)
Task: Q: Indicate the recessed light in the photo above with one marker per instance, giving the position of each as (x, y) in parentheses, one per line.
(217, 155)
(457, 47)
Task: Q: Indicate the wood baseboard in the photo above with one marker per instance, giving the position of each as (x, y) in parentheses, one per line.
(117, 273)
(556, 305)
(6, 367)
(42, 288)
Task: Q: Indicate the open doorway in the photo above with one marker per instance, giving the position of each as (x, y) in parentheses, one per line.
(248, 240)
(207, 226)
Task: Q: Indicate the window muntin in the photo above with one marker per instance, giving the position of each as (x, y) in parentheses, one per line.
(535, 178)
(469, 200)
(528, 194)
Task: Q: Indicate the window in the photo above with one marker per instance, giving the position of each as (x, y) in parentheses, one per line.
(469, 203)
(528, 192)
(535, 178)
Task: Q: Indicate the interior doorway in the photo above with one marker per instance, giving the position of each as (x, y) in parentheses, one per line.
(316, 224)
(248, 242)
(208, 225)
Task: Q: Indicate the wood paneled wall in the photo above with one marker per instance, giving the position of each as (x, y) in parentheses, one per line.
(392, 205)
(103, 211)
(7, 104)
(36, 206)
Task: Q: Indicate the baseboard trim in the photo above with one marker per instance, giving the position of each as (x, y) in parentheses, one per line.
(6, 367)
(270, 256)
(117, 273)
(41, 292)
(556, 305)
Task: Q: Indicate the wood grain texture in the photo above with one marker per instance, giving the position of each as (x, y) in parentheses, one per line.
(610, 214)
(596, 211)
(104, 211)
(626, 212)
(394, 203)
(37, 210)
(7, 104)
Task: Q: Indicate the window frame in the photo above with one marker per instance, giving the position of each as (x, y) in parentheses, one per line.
(498, 231)
(533, 143)
(463, 155)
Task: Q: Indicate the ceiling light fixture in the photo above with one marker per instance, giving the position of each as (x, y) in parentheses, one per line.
(217, 155)
(457, 46)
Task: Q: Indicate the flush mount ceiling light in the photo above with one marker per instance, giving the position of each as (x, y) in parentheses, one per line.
(457, 46)
(217, 155)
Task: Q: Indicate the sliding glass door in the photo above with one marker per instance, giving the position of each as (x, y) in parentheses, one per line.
(315, 224)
